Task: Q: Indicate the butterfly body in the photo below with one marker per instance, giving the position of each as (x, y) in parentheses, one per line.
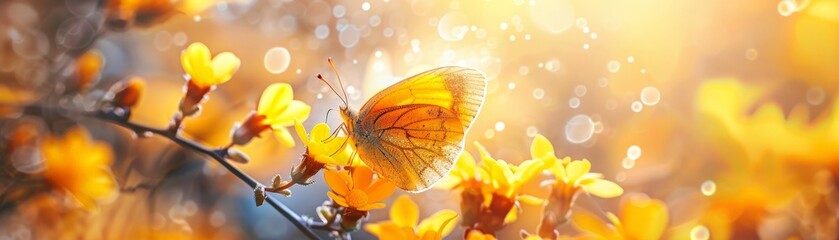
(412, 133)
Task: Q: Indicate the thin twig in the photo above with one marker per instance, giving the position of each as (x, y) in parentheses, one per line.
(216, 154)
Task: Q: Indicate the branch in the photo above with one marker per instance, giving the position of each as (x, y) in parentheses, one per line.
(216, 154)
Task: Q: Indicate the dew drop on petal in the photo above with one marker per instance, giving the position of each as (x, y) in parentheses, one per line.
(579, 129)
(277, 60)
(637, 106)
(708, 188)
(453, 26)
(650, 96)
(614, 66)
(700, 232)
(633, 152)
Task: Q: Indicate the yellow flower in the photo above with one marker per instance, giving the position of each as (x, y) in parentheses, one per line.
(80, 166)
(465, 173)
(641, 218)
(478, 235)
(205, 71)
(404, 216)
(507, 179)
(320, 145)
(280, 110)
(576, 173)
(275, 110)
(358, 191)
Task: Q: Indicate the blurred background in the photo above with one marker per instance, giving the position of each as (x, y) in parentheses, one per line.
(724, 110)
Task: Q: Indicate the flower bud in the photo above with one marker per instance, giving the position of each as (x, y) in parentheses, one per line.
(252, 127)
(127, 94)
(309, 167)
(260, 195)
(237, 156)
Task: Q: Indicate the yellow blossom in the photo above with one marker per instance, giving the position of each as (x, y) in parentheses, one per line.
(404, 217)
(323, 147)
(506, 178)
(206, 71)
(80, 166)
(477, 235)
(358, 191)
(641, 218)
(465, 172)
(576, 173)
(280, 110)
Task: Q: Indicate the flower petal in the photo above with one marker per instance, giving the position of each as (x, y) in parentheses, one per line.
(602, 188)
(361, 177)
(530, 199)
(644, 218)
(528, 169)
(404, 212)
(335, 182)
(296, 110)
(450, 181)
(284, 137)
(338, 199)
(372, 206)
(379, 190)
(320, 132)
(275, 98)
(195, 59)
(441, 222)
(301, 133)
(224, 66)
(577, 169)
(541, 147)
(588, 222)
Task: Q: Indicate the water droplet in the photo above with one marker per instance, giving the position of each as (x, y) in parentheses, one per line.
(628, 163)
(700, 232)
(375, 20)
(277, 60)
(319, 96)
(538, 93)
(593, 35)
(586, 29)
(322, 31)
(453, 26)
(650, 96)
(630, 59)
(349, 36)
(708, 188)
(637, 106)
(585, 46)
(580, 90)
(179, 39)
(751, 54)
(574, 102)
(614, 66)
(365, 6)
(579, 129)
(620, 177)
(603, 82)
(499, 126)
(787, 7)
(503, 26)
(511, 85)
(815, 95)
(532, 131)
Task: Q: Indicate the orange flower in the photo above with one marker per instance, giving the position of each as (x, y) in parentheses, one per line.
(358, 191)
(404, 215)
(79, 166)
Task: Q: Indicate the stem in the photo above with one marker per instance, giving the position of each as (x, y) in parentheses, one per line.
(216, 154)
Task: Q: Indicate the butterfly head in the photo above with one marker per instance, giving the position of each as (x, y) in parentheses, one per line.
(349, 116)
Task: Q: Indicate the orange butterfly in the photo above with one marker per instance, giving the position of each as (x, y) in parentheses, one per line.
(412, 132)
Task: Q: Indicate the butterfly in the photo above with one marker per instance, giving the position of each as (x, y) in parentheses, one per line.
(412, 132)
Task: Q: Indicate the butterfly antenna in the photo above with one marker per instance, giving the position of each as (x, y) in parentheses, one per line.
(340, 83)
(343, 99)
(327, 114)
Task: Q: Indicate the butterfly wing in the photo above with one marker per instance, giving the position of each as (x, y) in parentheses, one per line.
(412, 132)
